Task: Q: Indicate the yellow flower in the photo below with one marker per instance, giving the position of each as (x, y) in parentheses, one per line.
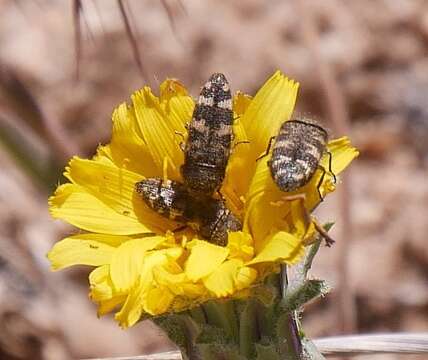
(141, 267)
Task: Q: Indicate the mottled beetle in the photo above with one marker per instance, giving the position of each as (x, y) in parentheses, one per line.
(168, 198)
(297, 151)
(210, 137)
(172, 200)
(215, 221)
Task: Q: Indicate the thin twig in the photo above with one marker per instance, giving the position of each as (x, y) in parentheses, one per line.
(77, 6)
(23, 102)
(400, 343)
(100, 19)
(407, 343)
(171, 13)
(182, 7)
(89, 32)
(169, 355)
(132, 39)
(337, 110)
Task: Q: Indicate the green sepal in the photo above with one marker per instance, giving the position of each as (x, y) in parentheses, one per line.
(299, 272)
(181, 330)
(210, 334)
(313, 250)
(310, 351)
(197, 315)
(288, 339)
(263, 326)
(309, 290)
(219, 352)
(222, 314)
(249, 332)
(267, 352)
(266, 293)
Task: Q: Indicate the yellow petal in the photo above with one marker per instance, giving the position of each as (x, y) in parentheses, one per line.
(272, 105)
(166, 278)
(221, 281)
(133, 307)
(261, 182)
(112, 185)
(102, 291)
(109, 305)
(99, 274)
(128, 261)
(73, 204)
(84, 249)
(204, 259)
(104, 155)
(266, 205)
(159, 135)
(115, 188)
(230, 277)
(310, 235)
(178, 283)
(237, 172)
(245, 277)
(263, 215)
(177, 104)
(281, 246)
(158, 300)
(342, 153)
(241, 102)
(240, 245)
(127, 148)
(101, 285)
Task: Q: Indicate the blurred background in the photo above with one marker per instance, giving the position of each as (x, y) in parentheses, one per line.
(363, 70)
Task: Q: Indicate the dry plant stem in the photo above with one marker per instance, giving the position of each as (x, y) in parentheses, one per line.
(77, 6)
(337, 111)
(170, 12)
(132, 39)
(24, 104)
(401, 343)
(182, 7)
(100, 20)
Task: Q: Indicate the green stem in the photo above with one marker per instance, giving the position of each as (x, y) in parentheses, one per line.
(287, 328)
(198, 315)
(289, 342)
